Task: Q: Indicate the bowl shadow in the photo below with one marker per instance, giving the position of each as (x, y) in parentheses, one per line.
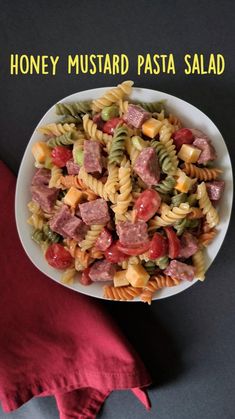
(155, 344)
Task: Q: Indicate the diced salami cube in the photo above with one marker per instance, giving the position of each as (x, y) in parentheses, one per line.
(136, 116)
(215, 189)
(188, 245)
(92, 160)
(147, 167)
(41, 177)
(102, 271)
(72, 167)
(104, 240)
(95, 212)
(180, 270)
(202, 142)
(74, 228)
(44, 196)
(60, 218)
(132, 234)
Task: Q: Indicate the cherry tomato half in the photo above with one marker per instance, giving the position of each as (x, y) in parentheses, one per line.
(114, 255)
(110, 125)
(182, 136)
(174, 243)
(60, 155)
(58, 257)
(147, 204)
(133, 251)
(158, 246)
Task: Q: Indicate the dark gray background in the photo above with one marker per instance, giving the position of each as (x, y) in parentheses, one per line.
(187, 341)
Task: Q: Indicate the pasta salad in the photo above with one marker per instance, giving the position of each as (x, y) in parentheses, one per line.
(124, 195)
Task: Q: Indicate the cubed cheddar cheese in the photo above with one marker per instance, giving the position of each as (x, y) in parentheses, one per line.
(189, 153)
(73, 197)
(119, 279)
(151, 127)
(137, 276)
(184, 182)
(41, 151)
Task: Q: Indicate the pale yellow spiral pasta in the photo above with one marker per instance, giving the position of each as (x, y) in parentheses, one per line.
(56, 174)
(112, 96)
(201, 173)
(169, 216)
(159, 115)
(91, 236)
(94, 133)
(57, 129)
(124, 198)
(36, 220)
(165, 137)
(144, 257)
(199, 264)
(34, 208)
(96, 186)
(212, 216)
(133, 260)
(111, 184)
(123, 106)
(68, 276)
(131, 150)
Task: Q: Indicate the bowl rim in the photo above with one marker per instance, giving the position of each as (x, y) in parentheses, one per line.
(99, 91)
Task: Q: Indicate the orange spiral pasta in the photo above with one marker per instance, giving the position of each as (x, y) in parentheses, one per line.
(68, 181)
(121, 293)
(195, 213)
(206, 238)
(156, 283)
(96, 253)
(175, 121)
(201, 173)
(75, 251)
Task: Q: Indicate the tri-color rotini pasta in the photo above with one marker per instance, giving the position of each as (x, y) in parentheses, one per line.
(123, 193)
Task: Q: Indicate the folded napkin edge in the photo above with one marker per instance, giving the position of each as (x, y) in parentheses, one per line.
(13, 399)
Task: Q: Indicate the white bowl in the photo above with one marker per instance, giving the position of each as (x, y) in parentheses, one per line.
(191, 117)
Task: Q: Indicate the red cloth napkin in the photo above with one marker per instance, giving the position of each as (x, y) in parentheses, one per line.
(54, 341)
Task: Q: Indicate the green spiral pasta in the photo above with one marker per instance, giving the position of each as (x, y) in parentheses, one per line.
(50, 235)
(118, 145)
(166, 185)
(178, 199)
(71, 119)
(192, 200)
(166, 198)
(150, 267)
(74, 108)
(38, 236)
(163, 157)
(181, 225)
(162, 262)
(65, 139)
